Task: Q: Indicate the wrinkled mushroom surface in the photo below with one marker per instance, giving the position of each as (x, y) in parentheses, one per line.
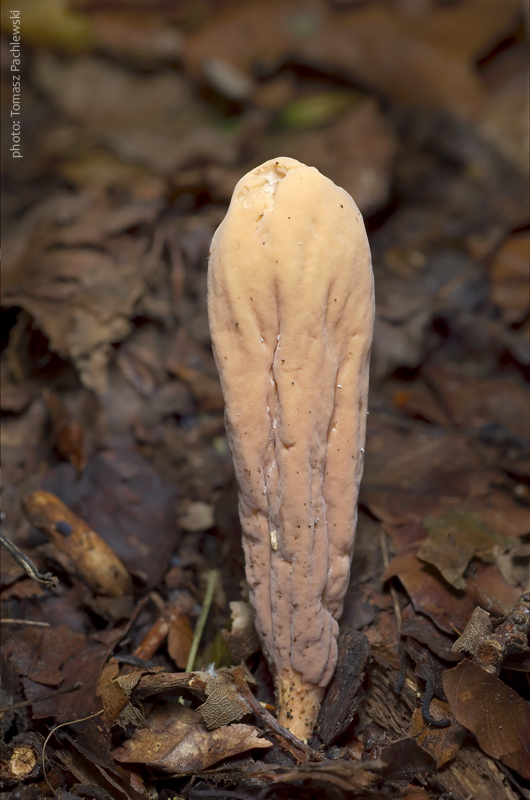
(290, 298)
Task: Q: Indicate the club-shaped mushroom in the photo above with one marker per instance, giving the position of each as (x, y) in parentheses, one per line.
(291, 309)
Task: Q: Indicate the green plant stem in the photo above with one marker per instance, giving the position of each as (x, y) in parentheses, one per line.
(201, 622)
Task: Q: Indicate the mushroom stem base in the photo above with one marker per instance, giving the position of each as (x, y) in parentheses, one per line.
(299, 704)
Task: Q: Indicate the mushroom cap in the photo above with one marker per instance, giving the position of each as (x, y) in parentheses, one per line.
(291, 308)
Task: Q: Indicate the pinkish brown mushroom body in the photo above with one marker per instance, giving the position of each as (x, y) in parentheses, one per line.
(291, 307)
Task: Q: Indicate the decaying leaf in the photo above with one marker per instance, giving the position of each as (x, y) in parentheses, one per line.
(441, 743)
(223, 702)
(478, 626)
(498, 716)
(40, 654)
(453, 540)
(115, 692)
(176, 740)
(179, 639)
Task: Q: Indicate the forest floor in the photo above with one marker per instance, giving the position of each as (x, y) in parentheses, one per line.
(136, 121)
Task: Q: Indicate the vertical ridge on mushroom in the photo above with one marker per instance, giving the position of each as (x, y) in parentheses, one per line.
(291, 308)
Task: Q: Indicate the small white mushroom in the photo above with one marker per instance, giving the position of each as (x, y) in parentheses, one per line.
(291, 307)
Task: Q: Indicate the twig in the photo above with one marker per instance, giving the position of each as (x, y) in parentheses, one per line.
(180, 605)
(395, 600)
(54, 730)
(201, 622)
(8, 621)
(301, 751)
(46, 579)
(47, 696)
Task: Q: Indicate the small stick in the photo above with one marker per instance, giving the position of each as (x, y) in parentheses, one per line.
(47, 696)
(46, 579)
(201, 622)
(182, 604)
(7, 621)
(395, 601)
(54, 730)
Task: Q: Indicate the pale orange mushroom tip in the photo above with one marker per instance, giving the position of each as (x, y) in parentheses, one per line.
(291, 309)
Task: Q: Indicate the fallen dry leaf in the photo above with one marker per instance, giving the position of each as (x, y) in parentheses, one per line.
(488, 587)
(148, 119)
(422, 630)
(419, 401)
(420, 463)
(404, 759)
(453, 540)
(448, 609)
(40, 653)
(356, 152)
(509, 286)
(177, 740)
(179, 639)
(77, 278)
(478, 403)
(223, 702)
(498, 716)
(441, 743)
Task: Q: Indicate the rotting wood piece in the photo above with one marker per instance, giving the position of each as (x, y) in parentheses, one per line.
(345, 690)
